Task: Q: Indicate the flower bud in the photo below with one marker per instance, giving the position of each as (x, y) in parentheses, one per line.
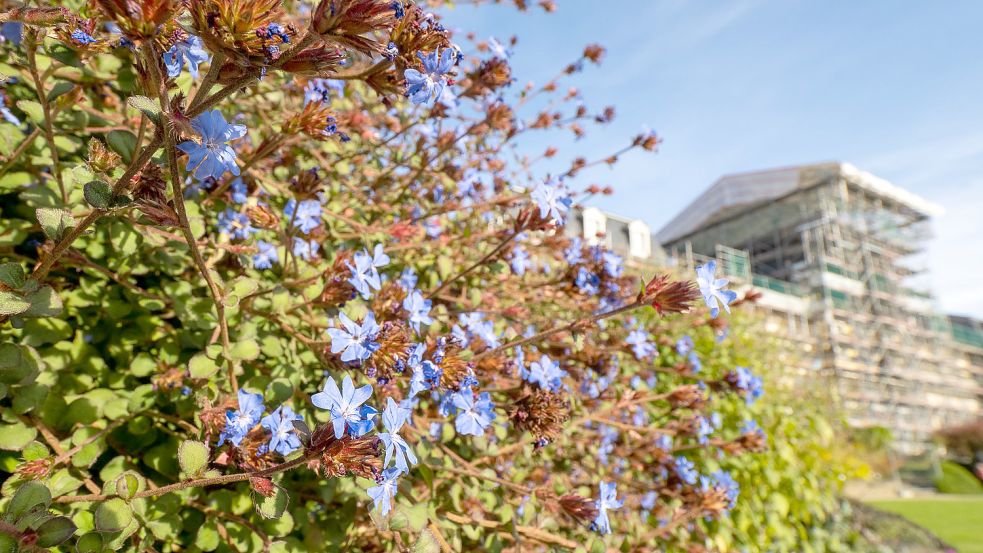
(262, 486)
(261, 216)
(346, 21)
(101, 159)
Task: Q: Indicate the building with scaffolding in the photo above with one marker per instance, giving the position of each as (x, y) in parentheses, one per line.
(838, 255)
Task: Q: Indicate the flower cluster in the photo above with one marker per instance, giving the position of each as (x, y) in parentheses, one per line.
(302, 246)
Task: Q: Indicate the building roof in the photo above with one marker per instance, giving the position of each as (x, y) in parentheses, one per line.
(732, 194)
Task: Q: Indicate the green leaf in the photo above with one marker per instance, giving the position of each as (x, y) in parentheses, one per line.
(426, 543)
(129, 484)
(200, 366)
(207, 538)
(98, 194)
(45, 302)
(398, 520)
(113, 515)
(193, 457)
(35, 451)
(29, 497)
(55, 222)
(12, 274)
(33, 110)
(245, 350)
(146, 106)
(60, 88)
(55, 531)
(123, 143)
(16, 436)
(12, 304)
(444, 266)
(273, 506)
(89, 543)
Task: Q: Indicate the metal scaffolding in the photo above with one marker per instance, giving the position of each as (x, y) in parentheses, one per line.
(845, 243)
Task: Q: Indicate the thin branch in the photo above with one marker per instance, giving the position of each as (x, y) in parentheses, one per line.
(49, 132)
(218, 298)
(195, 482)
(487, 257)
(551, 331)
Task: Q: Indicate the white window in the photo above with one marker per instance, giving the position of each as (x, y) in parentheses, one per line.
(639, 239)
(595, 226)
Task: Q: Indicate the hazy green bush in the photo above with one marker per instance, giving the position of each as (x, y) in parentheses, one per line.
(789, 493)
(956, 478)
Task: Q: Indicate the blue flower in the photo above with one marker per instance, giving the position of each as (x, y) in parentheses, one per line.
(306, 216)
(239, 423)
(553, 203)
(419, 309)
(408, 279)
(82, 37)
(445, 405)
(638, 339)
(648, 500)
(751, 427)
(355, 342)
(432, 227)
(398, 9)
(664, 442)
(723, 480)
(703, 430)
(684, 345)
(424, 87)
(283, 435)
(612, 264)
(191, 50)
(235, 224)
(12, 31)
(421, 379)
(520, 261)
(498, 49)
(474, 416)
(382, 495)
(393, 418)
(694, 362)
(587, 282)
(5, 111)
(274, 30)
(212, 157)
(476, 327)
(748, 383)
(574, 253)
(712, 288)
(686, 470)
(365, 271)
(305, 249)
(608, 501)
(266, 256)
(391, 51)
(546, 373)
(345, 406)
(436, 429)
(240, 192)
(319, 90)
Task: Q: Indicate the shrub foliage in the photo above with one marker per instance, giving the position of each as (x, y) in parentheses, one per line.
(276, 278)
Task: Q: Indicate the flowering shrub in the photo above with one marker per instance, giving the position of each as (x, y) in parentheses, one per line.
(276, 280)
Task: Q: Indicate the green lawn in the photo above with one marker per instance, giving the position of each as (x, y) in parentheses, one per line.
(957, 520)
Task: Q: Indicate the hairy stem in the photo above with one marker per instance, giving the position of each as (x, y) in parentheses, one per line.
(194, 482)
(49, 132)
(170, 148)
(485, 259)
(551, 331)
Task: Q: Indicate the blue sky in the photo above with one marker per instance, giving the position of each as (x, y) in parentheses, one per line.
(894, 87)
